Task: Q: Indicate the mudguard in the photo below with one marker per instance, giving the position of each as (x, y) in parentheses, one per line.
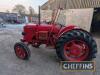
(66, 29)
(69, 28)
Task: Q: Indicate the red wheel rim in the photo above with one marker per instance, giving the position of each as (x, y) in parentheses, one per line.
(76, 50)
(20, 52)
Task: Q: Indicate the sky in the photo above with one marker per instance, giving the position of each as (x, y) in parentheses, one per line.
(9, 4)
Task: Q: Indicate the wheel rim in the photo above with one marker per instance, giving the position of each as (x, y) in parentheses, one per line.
(20, 52)
(76, 50)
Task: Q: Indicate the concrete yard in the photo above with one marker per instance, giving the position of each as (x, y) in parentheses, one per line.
(43, 61)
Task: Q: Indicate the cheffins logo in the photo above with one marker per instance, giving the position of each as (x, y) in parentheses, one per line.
(78, 66)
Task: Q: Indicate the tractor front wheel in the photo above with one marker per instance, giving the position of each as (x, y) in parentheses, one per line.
(22, 51)
(76, 45)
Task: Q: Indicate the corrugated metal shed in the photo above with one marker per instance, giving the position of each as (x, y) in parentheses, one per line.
(71, 4)
(82, 3)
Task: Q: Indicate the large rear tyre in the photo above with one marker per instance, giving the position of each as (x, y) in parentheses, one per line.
(76, 45)
(22, 51)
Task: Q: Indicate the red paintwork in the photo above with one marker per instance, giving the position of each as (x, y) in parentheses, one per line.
(66, 29)
(49, 34)
(76, 50)
(20, 52)
(44, 33)
(40, 34)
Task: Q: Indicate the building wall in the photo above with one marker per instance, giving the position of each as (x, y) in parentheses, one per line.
(46, 15)
(75, 12)
(79, 17)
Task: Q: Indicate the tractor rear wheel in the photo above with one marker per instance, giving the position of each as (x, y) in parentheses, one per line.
(22, 51)
(76, 45)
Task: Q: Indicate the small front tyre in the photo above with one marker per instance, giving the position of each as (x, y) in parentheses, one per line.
(22, 51)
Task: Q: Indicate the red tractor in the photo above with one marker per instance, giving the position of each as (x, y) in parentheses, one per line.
(71, 43)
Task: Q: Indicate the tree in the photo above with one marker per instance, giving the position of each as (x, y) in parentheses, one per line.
(19, 9)
(31, 11)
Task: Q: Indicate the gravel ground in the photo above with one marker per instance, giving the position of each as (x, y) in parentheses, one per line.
(43, 61)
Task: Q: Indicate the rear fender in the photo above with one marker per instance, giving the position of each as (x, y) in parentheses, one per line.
(67, 29)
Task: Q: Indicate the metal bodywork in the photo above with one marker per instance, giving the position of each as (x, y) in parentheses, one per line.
(44, 34)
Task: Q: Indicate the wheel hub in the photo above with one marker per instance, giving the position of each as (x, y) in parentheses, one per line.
(20, 52)
(76, 50)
